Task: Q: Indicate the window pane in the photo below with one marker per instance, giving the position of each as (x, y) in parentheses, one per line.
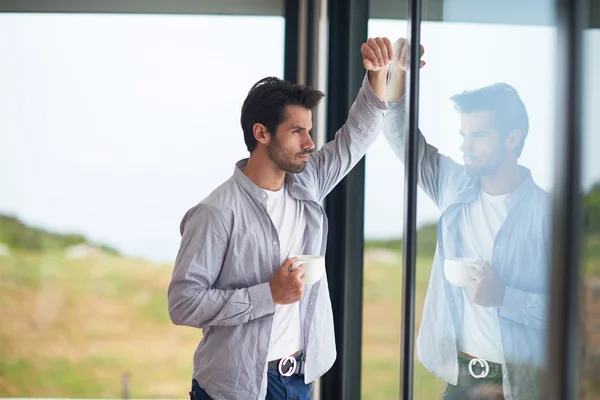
(590, 367)
(487, 124)
(384, 193)
(112, 126)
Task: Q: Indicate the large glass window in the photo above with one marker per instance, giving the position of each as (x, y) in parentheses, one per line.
(590, 282)
(487, 120)
(487, 126)
(384, 194)
(111, 127)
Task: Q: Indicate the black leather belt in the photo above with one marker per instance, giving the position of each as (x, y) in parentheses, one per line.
(288, 366)
(478, 368)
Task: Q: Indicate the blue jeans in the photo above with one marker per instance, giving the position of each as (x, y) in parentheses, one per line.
(278, 388)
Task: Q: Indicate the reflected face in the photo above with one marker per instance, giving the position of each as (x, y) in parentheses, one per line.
(291, 146)
(482, 146)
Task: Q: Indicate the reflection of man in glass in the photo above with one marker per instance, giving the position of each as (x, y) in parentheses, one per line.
(486, 338)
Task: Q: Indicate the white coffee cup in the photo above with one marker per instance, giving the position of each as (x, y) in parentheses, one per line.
(314, 267)
(459, 270)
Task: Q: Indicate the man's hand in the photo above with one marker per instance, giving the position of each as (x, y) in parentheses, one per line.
(397, 85)
(287, 287)
(400, 56)
(485, 288)
(377, 54)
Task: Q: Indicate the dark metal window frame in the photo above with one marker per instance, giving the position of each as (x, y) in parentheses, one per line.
(348, 22)
(221, 7)
(564, 344)
(409, 247)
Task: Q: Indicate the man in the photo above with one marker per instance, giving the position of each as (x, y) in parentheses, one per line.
(266, 333)
(487, 340)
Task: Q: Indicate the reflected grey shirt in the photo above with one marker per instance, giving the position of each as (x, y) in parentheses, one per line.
(519, 258)
(230, 250)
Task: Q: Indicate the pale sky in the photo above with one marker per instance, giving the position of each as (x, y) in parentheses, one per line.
(467, 56)
(114, 125)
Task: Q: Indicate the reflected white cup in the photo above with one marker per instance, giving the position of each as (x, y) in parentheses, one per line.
(314, 267)
(459, 270)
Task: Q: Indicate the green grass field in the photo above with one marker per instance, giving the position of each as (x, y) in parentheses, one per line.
(73, 328)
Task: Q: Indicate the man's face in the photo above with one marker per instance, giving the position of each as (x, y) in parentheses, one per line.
(290, 147)
(482, 146)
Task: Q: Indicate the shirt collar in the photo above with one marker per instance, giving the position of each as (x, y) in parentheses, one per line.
(523, 190)
(258, 193)
(471, 191)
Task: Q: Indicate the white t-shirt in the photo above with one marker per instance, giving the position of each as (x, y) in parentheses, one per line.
(480, 222)
(289, 219)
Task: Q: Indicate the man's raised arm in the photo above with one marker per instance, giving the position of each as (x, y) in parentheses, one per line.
(434, 168)
(335, 160)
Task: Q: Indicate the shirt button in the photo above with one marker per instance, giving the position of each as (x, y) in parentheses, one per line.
(497, 247)
(275, 243)
(264, 195)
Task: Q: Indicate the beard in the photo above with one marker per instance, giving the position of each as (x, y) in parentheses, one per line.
(490, 166)
(283, 159)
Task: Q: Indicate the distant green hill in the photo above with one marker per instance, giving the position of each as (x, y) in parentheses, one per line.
(591, 210)
(18, 236)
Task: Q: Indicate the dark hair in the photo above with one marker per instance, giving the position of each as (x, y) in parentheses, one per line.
(504, 103)
(266, 102)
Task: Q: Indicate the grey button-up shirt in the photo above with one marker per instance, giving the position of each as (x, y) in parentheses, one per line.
(230, 250)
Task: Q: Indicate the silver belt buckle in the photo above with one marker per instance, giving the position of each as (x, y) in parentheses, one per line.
(482, 363)
(284, 361)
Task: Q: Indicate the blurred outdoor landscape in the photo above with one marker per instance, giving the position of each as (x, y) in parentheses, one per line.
(77, 318)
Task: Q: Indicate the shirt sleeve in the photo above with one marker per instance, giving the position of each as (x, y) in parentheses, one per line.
(193, 301)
